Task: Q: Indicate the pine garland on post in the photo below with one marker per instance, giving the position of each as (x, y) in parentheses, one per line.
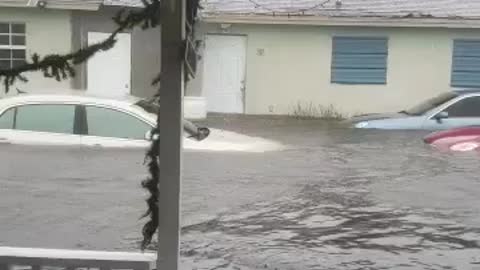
(151, 184)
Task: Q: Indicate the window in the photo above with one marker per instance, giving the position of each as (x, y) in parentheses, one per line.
(46, 118)
(357, 60)
(467, 107)
(429, 104)
(6, 120)
(12, 44)
(110, 123)
(466, 63)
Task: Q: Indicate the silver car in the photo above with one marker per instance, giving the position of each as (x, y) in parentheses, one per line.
(448, 110)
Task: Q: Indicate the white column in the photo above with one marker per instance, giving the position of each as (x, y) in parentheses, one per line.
(172, 16)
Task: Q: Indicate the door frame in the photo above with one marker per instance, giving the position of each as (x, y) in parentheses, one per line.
(244, 90)
(130, 67)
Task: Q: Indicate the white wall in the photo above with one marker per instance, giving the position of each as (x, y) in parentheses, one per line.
(295, 67)
(48, 31)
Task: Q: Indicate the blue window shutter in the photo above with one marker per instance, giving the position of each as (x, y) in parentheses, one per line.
(466, 63)
(359, 60)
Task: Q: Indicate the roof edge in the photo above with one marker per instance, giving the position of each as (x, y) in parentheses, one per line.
(345, 21)
(62, 5)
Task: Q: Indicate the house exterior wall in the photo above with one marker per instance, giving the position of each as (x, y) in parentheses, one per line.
(47, 31)
(295, 67)
(145, 62)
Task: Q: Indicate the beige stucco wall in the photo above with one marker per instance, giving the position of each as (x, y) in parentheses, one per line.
(295, 67)
(48, 31)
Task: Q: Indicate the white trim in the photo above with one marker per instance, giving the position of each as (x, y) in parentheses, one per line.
(75, 254)
(13, 47)
(66, 4)
(345, 21)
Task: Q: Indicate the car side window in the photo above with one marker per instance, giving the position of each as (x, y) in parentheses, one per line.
(46, 118)
(467, 107)
(6, 120)
(105, 122)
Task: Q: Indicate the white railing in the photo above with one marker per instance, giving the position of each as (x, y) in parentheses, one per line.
(59, 259)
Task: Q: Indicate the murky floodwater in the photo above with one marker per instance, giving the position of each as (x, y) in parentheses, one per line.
(335, 199)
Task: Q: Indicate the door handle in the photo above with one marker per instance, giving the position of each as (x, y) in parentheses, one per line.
(4, 140)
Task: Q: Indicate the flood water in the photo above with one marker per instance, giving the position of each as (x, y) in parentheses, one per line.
(335, 198)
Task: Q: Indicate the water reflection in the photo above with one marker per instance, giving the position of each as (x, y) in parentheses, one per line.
(369, 200)
(340, 225)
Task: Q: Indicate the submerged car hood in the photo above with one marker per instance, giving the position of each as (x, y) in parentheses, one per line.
(376, 116)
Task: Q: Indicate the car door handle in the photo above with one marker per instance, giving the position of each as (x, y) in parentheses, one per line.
(4, 140)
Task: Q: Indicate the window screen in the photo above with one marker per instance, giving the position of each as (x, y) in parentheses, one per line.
(466, 63)
(359, 60)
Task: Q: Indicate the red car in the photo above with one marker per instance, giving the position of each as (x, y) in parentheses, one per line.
(457, 139)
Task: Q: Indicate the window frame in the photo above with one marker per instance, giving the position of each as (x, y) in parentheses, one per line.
(456, 102)
(76, 123)
(14, 117)
(12, 47)
(446, 105)
(334, 39)
(455, 84)
(84, 119)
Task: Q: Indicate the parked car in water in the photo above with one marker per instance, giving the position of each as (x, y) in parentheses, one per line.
(448, 110)
(79, 119)
(456, 139)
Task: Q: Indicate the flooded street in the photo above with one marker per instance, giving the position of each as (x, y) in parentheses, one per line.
(334, 198)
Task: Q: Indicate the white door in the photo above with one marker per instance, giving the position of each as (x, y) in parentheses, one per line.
(109, 72)
(224, 73)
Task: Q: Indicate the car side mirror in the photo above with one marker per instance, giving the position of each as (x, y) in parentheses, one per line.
(440, 116)
(149, 135)
(202, 133)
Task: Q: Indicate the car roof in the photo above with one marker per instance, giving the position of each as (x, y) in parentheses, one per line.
(70, 96)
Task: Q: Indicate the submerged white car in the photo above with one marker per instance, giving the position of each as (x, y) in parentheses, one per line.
(79, 119)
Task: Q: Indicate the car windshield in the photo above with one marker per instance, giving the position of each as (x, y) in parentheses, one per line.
(429, 104)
